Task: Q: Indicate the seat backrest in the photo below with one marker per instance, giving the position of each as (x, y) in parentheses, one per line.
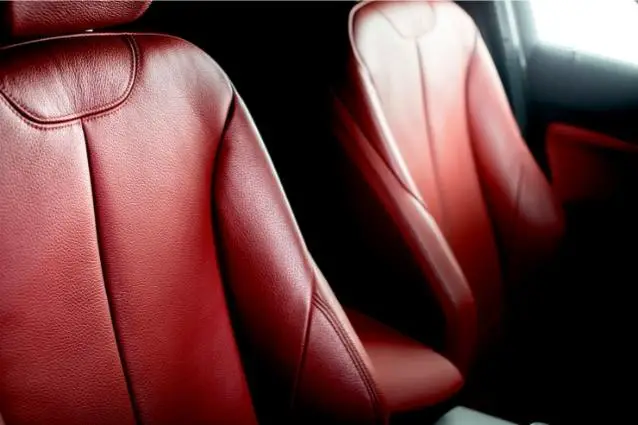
(137, 199)
(422, 92)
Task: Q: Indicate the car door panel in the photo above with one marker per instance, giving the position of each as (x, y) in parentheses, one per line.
(588, 166)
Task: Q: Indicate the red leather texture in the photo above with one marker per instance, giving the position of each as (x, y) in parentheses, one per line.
(40, 18)
(48, 98)
(422, 114)
(110, 266)
(295, 327)
(412, 375)
(138, 196)
(421, 234)
(589, 166)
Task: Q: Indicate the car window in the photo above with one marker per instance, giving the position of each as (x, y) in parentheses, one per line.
(605, 28)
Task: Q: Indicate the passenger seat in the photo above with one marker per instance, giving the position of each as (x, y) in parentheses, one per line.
(424, 123)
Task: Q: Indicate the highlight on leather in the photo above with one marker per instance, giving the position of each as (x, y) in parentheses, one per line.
(422, 115)
(43, 18)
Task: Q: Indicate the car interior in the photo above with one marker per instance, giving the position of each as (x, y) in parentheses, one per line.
(318, 212)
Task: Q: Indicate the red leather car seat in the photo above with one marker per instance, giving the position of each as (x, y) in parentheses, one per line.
(137, 199)
(424, 121)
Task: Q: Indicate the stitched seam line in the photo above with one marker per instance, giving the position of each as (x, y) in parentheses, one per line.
(302, 359)
(51, 127)
(94, 34)
(125, 369)
(394, 27)
(352, 352)
(30, 116)
(430, 142)
(391, 169)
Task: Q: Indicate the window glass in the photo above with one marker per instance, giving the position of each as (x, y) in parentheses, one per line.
(606, 28)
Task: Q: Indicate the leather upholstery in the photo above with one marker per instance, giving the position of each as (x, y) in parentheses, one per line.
(39, 18)
(297, 329)
(96, 89)
(409, 373)
(588, 166)
(138, 199)
(423, 117)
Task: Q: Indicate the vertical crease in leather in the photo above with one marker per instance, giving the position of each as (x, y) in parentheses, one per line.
(368, 382)
(430, 142)
(479, 168)
(367, 77)
(375, 100)
(125, 371)
(230, 114)
(349, 115)
(517, 209)
(217, 234)
(304, 349)
(297, 377)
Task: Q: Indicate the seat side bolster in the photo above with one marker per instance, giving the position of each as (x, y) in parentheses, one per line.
(421, 233)
(298, 337)
(526, 216)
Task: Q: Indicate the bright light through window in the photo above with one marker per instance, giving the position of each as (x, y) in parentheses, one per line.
(607, 28)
